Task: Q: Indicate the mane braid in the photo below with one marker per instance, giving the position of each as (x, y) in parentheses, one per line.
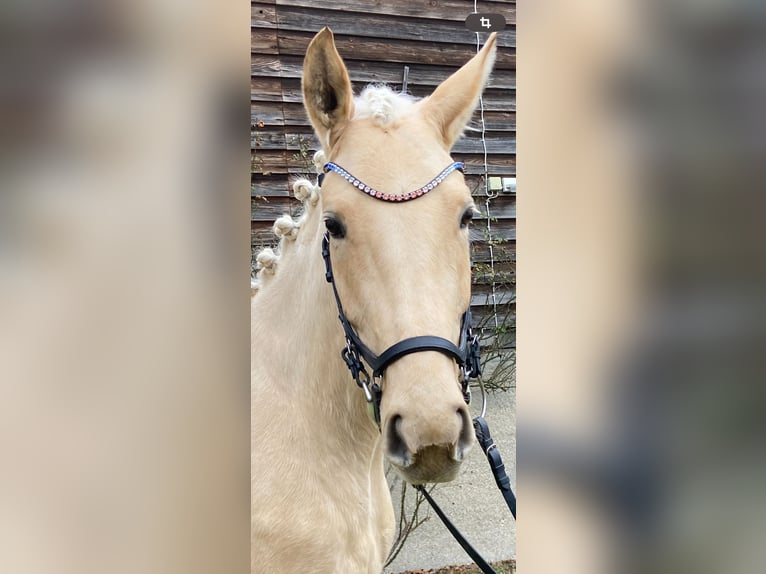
(286, 228)
(384, 106)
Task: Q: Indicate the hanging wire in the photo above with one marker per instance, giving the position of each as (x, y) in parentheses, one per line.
(489, 195)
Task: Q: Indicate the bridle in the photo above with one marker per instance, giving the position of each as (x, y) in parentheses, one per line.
(465, 353)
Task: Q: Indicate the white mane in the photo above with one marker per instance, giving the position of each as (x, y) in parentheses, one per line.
(382, 104)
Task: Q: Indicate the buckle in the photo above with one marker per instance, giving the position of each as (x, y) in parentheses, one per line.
(473, 362)
(358, 372)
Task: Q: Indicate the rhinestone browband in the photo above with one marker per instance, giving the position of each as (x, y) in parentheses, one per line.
(372, 192)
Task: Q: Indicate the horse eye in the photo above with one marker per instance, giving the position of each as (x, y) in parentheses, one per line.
(335, 227)
(467, 217)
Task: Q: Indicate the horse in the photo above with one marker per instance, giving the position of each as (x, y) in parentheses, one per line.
(396, 252)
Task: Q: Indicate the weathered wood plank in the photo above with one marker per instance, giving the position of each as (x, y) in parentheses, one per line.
(494, 121)
(273, 139)
(502, 207)
(502, 298)
(502, 228)
(505, 273)
(277, 114)
(267, 187)
(267, 65)
(263, 15)
(266, 89)
(260, 238)
(481, 313)
(497, 164)
(504, 252)
(264, 41)
(456, 10)
(485, 290)
(271, 161)
(294, 43)
(505, 341)
(389, 26)
(505, 294)
(268, 211)
(374, 72)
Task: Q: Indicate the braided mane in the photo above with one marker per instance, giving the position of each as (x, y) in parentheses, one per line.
(378, 102)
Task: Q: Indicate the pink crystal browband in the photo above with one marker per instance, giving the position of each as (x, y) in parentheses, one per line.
(372, 192)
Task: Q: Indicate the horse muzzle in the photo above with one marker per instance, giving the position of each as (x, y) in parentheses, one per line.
(428, 449)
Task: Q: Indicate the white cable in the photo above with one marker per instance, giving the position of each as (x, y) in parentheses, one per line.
(488, 193)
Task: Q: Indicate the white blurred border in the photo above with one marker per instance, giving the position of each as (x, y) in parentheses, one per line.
(124, 295)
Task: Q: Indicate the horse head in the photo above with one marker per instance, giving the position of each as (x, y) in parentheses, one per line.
(398, 237)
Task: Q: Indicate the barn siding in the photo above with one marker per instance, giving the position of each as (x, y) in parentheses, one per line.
(376, 39)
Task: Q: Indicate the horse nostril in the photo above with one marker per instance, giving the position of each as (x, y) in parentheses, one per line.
(396, 447)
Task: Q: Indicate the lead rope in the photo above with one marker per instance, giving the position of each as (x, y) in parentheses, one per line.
(501, 479)
(470, 550)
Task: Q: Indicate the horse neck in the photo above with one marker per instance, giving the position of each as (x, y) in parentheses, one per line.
(299, 306)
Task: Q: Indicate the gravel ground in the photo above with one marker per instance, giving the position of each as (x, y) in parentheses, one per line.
(472, 502)
(503, 567)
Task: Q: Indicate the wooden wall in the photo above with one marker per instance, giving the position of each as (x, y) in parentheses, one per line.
(376, 39)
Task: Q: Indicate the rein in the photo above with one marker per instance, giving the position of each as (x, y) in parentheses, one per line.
(466, 354)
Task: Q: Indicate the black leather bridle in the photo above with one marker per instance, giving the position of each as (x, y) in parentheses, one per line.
(465, 353)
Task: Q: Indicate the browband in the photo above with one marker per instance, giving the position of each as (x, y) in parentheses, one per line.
(372, 192)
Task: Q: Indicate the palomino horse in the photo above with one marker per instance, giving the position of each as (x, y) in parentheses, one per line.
(399, 251)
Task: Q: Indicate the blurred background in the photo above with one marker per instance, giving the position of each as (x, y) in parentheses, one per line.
(124, 265)
(641, 286)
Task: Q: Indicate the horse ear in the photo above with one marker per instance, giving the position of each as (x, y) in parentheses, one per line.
(452, 103)
(327, 92)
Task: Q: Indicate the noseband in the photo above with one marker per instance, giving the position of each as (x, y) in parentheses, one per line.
(465, 353)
